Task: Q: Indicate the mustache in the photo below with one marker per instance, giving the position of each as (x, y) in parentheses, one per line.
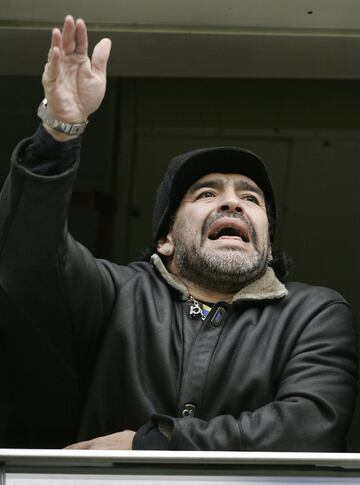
(234, 214)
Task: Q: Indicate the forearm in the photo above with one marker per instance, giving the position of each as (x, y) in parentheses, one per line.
(295, 424)
(44, 155)
(55, 281)
(311, 409)
(34, 206)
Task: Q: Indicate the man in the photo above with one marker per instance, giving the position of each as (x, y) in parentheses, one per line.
(203, 348)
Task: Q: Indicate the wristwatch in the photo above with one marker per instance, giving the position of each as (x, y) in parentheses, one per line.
(62, 126)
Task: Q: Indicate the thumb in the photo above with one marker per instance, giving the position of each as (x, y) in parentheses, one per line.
(101, 55)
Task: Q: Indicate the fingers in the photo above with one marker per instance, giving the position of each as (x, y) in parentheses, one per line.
(74, 36)
(82, 445)
(101, 55)
(68, 35)
(74, 40)
(56, 44)
(53, 65)
(81, 37)
(52, 68)
(56, 40)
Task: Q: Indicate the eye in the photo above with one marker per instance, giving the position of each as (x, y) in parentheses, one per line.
(205, 194)
(251, 198)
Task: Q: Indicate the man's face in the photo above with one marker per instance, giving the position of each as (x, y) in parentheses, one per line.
(220, 236)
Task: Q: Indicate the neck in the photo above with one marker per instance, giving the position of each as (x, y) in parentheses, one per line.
(198, 292)
(204, 295)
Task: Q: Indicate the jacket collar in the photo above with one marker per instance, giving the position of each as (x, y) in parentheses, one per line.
(267, 287)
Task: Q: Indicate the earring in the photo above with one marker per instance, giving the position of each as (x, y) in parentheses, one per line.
(167, 250)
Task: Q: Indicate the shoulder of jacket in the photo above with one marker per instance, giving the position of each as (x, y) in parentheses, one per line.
(320, 294)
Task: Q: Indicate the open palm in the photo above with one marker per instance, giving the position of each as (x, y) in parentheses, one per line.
(74, 85)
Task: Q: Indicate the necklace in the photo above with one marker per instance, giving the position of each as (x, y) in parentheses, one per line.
(195, 309)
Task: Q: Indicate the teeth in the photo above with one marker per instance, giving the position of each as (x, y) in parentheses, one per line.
(227, 231)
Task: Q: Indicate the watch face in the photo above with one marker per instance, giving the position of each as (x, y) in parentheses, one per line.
(41, 111)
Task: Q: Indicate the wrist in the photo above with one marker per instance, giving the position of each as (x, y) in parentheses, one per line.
(57, 135)
(60, 130)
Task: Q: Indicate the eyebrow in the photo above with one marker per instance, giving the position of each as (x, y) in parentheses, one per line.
(213, 184)
(218, 183)
(252, 187)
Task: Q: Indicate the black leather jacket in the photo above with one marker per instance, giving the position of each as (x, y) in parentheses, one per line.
(96, 348)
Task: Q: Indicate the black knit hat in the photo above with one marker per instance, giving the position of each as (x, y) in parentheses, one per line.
(189, 167)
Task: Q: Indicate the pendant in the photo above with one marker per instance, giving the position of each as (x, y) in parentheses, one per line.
(195, 309)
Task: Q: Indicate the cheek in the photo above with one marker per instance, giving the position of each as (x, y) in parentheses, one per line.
(181, 227)
(266, 234)
(261, 226)
(187, 227)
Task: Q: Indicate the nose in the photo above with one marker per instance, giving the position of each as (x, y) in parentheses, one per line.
(230, 202)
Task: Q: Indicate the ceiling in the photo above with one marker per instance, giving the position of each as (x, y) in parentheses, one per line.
(195, 38)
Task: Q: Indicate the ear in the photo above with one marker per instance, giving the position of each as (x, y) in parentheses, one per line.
(165, 246)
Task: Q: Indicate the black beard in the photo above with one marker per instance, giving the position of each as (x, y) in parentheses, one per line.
(224, 272)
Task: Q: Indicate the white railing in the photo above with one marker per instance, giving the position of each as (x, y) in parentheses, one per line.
(55, 467)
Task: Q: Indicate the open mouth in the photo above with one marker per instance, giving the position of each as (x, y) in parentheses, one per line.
(229, 228)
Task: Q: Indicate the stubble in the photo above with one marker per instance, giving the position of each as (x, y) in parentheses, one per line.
(225, 270)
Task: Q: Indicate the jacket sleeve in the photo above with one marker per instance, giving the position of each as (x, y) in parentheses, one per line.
(313, 405)
(58, 285)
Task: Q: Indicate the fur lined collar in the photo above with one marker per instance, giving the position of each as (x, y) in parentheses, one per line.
(267, 287)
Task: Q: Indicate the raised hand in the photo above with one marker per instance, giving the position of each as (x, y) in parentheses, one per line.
(74, 85)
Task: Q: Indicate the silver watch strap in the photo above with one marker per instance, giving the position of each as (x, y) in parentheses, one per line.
(67, 128)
